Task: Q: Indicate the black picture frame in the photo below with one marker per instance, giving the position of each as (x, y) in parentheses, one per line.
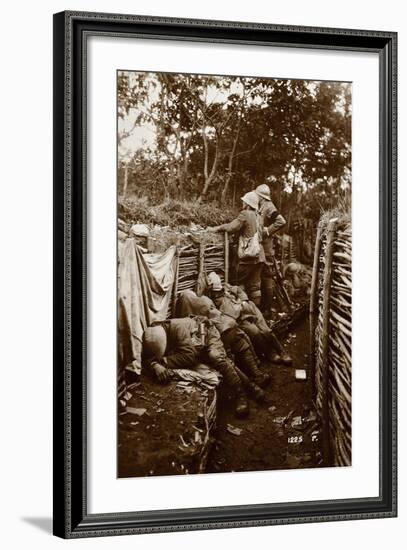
(71, 518)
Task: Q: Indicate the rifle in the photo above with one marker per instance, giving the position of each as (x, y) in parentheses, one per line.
(280, 280)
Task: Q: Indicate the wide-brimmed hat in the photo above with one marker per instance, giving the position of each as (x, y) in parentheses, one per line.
(263, 191)
(214, 281)
(251, 199)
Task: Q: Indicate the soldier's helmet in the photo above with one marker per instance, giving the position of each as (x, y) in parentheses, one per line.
(155, 341)
(214, 281)
(251, 199)
(263, 191)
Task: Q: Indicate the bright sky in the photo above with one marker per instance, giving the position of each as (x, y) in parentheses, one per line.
(144, 136)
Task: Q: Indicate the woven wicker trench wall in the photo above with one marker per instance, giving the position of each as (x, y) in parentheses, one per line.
(196, 260)
(331, 337)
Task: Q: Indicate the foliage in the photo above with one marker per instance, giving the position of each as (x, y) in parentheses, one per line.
(210, 139)
(173, 213)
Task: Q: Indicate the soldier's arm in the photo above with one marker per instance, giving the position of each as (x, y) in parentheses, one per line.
(234, 225)
(274, 222)
(183, 354)
(239, 293)
(184, 357)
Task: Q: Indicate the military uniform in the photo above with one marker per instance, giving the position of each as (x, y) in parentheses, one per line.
(235, 303)
(180, 351)
(192, 340)
(249, 269)
(235, 341)
(271, 221)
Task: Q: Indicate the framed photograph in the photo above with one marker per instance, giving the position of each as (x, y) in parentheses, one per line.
(224, 274)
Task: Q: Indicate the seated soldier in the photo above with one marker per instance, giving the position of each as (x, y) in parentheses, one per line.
(234, 302)
(298, 279)
(183, 343)
(235, 340)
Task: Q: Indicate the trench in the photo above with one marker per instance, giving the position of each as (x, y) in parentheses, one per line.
(281, 434)
(158, 434)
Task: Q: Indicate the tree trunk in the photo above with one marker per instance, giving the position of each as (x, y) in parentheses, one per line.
(230, 166)
(232, 153)
(126, 180)
(205, 188)
(209, 176)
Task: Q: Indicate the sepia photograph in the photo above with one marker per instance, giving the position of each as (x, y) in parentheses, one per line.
(234, 274)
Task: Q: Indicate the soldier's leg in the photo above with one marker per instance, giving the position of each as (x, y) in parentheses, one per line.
(249, 276)
(268, 286)
(267, 340)
(246, 359)
(260, 321)
(256, 337)
(266, 344)
(216, 355)
(254, 284)
(278, 354)
(274, 341)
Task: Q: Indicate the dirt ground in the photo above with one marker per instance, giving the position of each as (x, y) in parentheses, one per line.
(165, 430)
(282, 434)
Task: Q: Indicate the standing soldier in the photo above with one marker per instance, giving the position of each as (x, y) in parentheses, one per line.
(251, 255)
(271, 221)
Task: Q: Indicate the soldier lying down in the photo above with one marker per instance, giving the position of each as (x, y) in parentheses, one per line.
(234, 302)
(185, 342)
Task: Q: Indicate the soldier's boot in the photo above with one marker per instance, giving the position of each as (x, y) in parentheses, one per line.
(234, 383)
(241, 406)
(256, 392)
(248, 363)
(252, 389)
(286, 359)
(278, 355)
(283, 359)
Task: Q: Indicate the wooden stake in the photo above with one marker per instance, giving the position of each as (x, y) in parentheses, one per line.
(326, 291)
(226, 257)
(201, 263)
(176, 276)
(313, 309)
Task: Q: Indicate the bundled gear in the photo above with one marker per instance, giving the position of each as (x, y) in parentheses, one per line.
(139, 230)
